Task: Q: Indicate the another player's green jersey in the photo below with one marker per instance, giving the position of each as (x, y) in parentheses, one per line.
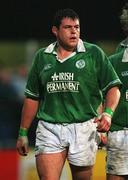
(70, 91)
(120, 63)
(122, 46)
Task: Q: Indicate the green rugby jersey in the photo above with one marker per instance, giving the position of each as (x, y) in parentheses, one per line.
(120, 63)
(123, 45)
(70, 90)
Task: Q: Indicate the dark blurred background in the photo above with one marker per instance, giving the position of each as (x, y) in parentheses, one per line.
(25, 19)
(25, 26)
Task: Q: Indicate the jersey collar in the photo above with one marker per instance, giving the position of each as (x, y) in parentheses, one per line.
(125, 55)
(51, 47)
(124, 43)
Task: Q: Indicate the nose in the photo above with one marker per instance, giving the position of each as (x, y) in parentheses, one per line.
(73, 29)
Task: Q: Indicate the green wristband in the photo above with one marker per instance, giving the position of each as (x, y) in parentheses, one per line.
(23, 132)
(109, 111)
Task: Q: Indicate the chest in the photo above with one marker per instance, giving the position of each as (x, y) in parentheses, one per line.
(75, 68)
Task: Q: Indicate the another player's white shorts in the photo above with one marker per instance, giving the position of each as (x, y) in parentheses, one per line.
(117, 153)
(79, 137)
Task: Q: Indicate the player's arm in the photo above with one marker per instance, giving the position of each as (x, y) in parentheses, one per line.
(29, 111)
(111, 101)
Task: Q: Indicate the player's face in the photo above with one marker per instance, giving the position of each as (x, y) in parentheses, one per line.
(124, 20)
(68, 33)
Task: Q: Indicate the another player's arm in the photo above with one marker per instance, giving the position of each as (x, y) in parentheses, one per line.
(111, 102)
(29, 111)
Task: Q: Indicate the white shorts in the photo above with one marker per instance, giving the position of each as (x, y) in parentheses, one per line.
(117, 153)
(80, 138)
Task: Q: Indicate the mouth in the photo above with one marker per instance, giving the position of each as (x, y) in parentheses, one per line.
(73, 39)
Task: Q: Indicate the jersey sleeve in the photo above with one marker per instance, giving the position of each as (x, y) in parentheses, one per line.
(32, 85)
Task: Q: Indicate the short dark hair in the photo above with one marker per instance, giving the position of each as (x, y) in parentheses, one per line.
(124, 18)
(63, 13)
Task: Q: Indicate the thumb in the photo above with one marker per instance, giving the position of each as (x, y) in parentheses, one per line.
(96, 120)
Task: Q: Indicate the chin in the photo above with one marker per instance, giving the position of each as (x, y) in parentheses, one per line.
(73, 43)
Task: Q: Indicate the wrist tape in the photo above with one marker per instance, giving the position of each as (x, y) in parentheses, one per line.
(108, 111)
(23, 132)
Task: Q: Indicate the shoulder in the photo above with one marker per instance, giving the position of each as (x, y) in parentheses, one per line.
(122, 45)
(91, 47)
(40, 51)
(116, 57)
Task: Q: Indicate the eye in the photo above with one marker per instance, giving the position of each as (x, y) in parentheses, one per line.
(77, 27)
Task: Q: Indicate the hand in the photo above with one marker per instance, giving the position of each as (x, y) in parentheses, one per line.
(101, 139)
(22, 145)
(103, 122)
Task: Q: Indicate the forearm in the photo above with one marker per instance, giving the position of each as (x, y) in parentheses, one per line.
(112, 98)
(111, 102)
(29, 111)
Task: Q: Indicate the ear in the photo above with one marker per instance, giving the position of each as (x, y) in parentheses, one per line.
(54, 30)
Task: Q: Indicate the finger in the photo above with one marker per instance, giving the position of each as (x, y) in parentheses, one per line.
(103, 128)
(20, 151)
(24, 151)
(96, 120)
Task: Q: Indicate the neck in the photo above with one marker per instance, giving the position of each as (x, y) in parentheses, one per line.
(63, 53)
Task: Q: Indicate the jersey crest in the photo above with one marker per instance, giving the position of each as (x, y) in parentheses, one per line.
(80, 64)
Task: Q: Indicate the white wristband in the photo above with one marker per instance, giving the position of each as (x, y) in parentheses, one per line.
(109, 117)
